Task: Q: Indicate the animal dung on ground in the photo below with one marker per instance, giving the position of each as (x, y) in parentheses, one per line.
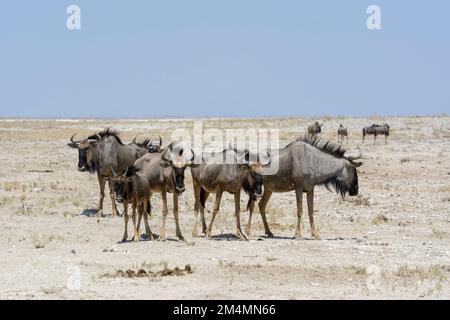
(141, 273)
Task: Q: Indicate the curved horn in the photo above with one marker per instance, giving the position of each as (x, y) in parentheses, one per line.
(246, 157)
(78, 141)
(71, 138)
(270, 159)
(351, 158)
(164, 156)
(134, 140)
(126, 171)
(191, 160)
(113, 172)
(160, 141)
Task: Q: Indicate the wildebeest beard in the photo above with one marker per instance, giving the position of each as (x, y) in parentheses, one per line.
(341, 186)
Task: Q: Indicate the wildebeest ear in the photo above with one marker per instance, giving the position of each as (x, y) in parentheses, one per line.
(72, 145)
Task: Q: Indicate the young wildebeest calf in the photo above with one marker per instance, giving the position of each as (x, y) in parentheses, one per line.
(133, 187)
(376, 129)
(304, 164)
(314, 129)
(229, 171)
(342, 132)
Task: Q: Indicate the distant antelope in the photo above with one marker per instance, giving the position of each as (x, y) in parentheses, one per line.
(314, 129)
(342, 132)
(377, 129)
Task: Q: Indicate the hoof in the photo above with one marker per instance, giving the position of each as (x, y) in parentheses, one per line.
(269, 234)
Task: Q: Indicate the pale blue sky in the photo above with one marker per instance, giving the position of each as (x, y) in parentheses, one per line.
(223, 58)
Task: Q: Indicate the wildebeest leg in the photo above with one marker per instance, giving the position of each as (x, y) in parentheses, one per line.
(374, 138)
(251, 207)
(262, 209)
(136, 236)
(140, 212)
(113, 199)
(310, 201)
(237, 212)
(385, 139)
(202, 211)
(299, 196)
(101, 182)
(162, 234)
(215, 210)
(147, 227)
(125, 219)
(196, 208)
(347, 139)
(175, 215)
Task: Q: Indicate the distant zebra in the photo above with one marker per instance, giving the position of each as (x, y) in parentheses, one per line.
(342, 132)
(377, 129)
(314, 129)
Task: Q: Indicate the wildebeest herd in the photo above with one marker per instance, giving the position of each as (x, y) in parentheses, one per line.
(137, 170)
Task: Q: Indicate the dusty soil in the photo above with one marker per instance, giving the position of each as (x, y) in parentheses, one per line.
(392, 241)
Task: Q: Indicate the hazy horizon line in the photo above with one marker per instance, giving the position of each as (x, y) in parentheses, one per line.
(444, 114)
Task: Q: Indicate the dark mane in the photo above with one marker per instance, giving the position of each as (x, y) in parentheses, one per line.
(324, 145)
(108, 132)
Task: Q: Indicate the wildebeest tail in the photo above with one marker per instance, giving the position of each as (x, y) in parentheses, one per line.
(202, 197)
(251, 199)
(149, 207)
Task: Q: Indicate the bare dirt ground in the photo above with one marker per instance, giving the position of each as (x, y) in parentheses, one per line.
(392, 241)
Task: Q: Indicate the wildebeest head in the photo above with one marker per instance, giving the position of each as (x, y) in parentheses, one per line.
(174, 156)
(122, 183)
(85, 151)
(254, 182)
(149, 145)
(349, 175)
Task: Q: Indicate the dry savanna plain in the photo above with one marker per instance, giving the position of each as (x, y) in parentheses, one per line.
(391, 241)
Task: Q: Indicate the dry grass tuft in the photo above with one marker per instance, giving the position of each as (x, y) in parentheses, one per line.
(380, 219)
(433, 272)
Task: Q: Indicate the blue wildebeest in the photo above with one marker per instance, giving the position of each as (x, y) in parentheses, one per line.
(155, 173)
(376, 129)
(304, 164)
(104, 152)
(314, 129)
(342, 132)
(228, 171)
